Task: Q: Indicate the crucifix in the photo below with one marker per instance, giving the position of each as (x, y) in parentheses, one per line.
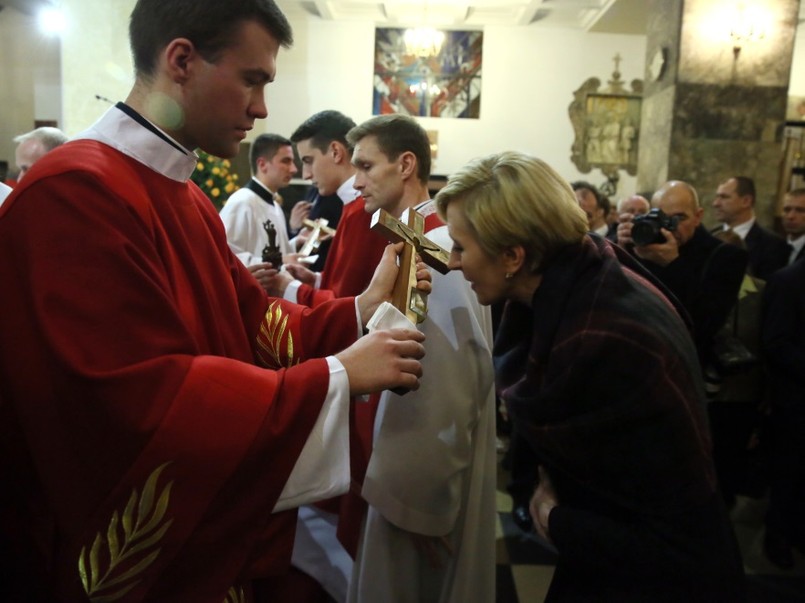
(409, 230)
(318, 231)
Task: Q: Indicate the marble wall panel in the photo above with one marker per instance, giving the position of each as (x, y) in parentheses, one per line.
(705, 163)
(663, 30)
(655, 139)
(729, 112)
(706, 44)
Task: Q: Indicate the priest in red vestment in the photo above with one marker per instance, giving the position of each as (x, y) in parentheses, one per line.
(155, 406)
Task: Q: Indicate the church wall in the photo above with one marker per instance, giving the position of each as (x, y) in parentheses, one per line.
(29, 71)
(97, 64)
(529, 75)
(726, 107)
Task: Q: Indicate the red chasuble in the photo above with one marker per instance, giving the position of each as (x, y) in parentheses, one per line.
(144, 446)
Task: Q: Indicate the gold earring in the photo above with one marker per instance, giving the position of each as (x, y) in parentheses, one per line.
(509, 275)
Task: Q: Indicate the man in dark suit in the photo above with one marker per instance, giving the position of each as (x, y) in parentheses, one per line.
(705, 275)
(794, 223)
(784, 346)
(701, 271)
(734, 206)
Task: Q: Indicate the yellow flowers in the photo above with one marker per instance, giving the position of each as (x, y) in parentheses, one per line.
(213, 177)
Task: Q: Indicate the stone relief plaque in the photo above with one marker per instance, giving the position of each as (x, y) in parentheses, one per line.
(607, 125)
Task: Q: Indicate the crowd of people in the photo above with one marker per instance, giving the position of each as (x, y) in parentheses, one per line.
(229, 419)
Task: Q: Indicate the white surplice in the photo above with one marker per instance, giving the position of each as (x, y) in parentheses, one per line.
(432, 469)
(244, 215)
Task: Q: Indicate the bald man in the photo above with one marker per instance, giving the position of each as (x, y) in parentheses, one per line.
(701, 271)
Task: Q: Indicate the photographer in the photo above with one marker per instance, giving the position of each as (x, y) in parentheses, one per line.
(701, 271)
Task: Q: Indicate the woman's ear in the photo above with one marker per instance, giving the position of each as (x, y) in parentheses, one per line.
(514, 259)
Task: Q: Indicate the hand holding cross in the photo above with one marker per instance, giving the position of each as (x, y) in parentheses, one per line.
(318, 230)
(409, 230)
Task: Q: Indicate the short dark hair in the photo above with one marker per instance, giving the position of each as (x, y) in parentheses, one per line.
(266, 146)
(602, 201)
(397, 134)
(211, 25)
(745, 186)
(323, 128)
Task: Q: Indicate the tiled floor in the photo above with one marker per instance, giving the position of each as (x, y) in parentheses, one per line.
(525, 567)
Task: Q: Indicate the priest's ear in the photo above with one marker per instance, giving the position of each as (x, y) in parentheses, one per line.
(179, 55)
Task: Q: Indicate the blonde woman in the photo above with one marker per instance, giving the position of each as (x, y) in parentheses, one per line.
(600, 375)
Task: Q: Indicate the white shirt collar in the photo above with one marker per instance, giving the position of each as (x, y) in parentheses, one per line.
(742, 229)
(346, 192)
(797, 245)
(151, 147)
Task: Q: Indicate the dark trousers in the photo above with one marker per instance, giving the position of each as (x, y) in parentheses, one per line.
(786, 513)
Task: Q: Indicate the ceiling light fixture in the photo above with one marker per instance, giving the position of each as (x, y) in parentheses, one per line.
(52, 20)
(423, 42)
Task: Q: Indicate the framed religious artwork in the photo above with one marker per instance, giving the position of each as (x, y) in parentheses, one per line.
(607, 126)
(427, 73)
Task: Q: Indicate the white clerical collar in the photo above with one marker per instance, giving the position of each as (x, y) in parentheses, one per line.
(742, 229)
(602, 230)
(346, 192)
(130, 133)
(797, 245)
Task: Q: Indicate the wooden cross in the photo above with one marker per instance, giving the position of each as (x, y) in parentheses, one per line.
(319, 229)
(406, 297)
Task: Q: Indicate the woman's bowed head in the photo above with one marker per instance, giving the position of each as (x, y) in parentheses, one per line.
(508, 214)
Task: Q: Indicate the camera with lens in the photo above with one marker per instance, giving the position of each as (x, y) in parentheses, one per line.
(646, 228)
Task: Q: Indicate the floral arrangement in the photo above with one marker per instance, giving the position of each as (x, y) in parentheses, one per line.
(214, 178)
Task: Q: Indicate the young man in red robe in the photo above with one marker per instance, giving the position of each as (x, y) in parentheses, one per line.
(155, 405)
(326, 155)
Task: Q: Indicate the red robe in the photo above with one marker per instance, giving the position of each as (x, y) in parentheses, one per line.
(350, 265)
(144, 448)
(352, 259)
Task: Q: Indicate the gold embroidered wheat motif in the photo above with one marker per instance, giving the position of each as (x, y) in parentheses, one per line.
(114, 564)
(273, 329)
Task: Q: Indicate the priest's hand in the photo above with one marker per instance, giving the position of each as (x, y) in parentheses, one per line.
(382, 285)
(384, 360)
(301, 273)
(542, 503)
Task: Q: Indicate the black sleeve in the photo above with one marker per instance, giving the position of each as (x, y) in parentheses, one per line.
(717, 292)
(784, 322)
